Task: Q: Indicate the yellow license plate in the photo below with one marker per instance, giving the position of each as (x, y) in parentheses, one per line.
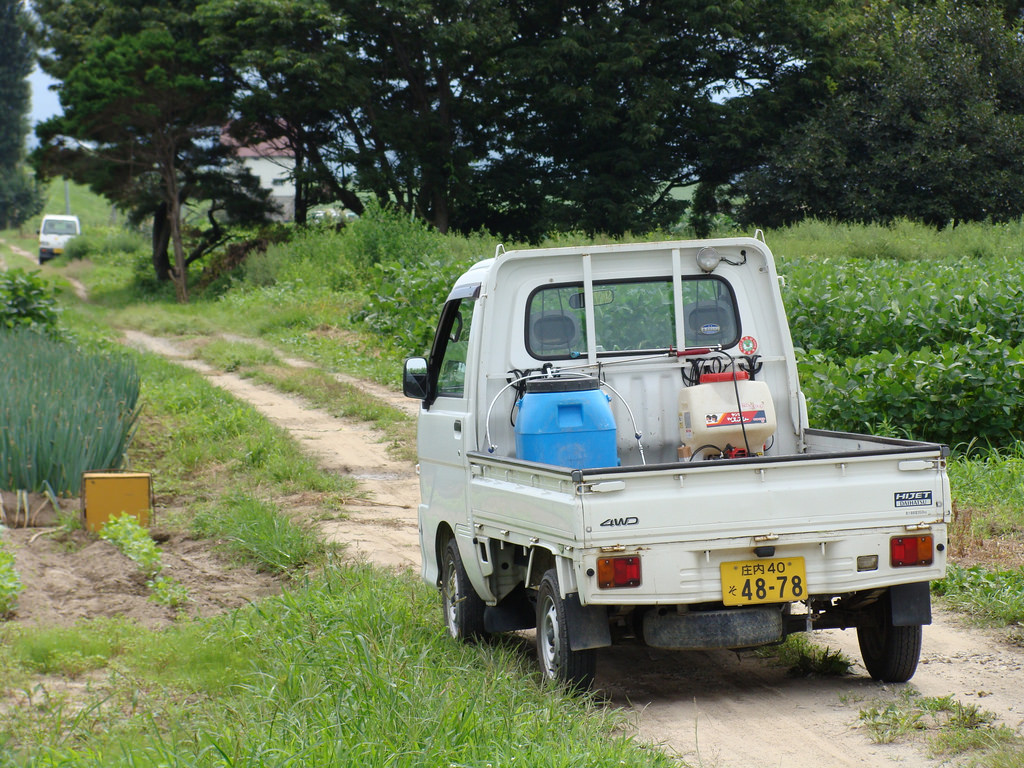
(776, 580)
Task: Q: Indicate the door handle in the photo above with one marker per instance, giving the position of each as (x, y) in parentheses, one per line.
(458, 427)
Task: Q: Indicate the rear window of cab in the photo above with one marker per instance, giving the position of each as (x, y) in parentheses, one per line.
(629, 316)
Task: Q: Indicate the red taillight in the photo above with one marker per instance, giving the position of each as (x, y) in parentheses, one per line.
(618, 572)
(911, 550)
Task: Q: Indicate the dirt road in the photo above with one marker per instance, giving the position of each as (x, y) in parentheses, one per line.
(381, 528)
(710, 709)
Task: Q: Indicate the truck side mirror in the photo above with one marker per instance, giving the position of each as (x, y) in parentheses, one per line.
(415, 379)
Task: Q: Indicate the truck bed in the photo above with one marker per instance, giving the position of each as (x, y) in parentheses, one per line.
(827, 505)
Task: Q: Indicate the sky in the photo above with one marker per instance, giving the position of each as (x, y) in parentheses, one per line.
(44, 101)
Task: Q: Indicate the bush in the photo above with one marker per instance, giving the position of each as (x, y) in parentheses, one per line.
(954, 393)
(27, 301)
(384, 235)
(107, 243)
(405, 301)
(312, 256)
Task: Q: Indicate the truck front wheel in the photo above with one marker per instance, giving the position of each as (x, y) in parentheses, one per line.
(890, 653)
(558, 662)
(463, 608)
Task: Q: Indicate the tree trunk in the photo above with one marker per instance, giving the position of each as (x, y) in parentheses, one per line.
(179, 272)
(301, 183)
(161, 239)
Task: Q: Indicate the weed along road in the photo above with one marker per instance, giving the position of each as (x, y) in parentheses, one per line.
(707, 708)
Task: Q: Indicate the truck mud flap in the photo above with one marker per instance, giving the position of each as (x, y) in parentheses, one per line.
(588, 626)
(516, 611)
(911, 604)
(700, 630)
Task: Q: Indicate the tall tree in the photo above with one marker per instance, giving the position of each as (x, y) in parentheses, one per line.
(520, 118)
(930, 128)
(20, 195)
(615, 106)
(144, 108)
(287, 62)
(16, 58)
(398, 96)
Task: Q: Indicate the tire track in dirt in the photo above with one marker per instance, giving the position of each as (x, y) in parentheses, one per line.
(381, 527)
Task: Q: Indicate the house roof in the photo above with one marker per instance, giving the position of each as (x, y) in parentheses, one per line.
(277, 147)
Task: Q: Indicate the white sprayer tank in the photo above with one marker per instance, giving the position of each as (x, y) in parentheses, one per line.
(710, 414)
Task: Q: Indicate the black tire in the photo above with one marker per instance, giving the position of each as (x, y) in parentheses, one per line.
(890, 653)
(463, 609)
(558, 662)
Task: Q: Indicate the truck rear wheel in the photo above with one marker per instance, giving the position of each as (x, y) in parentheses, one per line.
(890, 653)
(558, 662)
(463, 608)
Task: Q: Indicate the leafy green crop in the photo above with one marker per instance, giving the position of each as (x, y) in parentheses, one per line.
(134, 542)
(954, 393)
(930, 347)
(10, 583)
(62, 412)
(855, 307)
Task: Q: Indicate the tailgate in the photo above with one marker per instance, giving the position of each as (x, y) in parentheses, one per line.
(690, 525)
(711, 500)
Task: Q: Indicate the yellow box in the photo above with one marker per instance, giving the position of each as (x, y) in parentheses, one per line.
(110, 494)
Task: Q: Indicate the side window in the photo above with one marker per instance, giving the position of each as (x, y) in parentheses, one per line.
(451, 371)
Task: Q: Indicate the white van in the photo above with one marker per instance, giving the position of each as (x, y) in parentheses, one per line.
(54, 233)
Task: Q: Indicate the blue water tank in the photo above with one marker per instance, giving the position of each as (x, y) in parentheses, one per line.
(567, 422)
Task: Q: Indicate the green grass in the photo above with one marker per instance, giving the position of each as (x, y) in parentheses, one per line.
(191, 425)
(69, 652)
(949, 727)
(804, 658)
(992, 596)
(234, 356)
(259, 532)
(352, 668)
(990, 484)
(903, 241)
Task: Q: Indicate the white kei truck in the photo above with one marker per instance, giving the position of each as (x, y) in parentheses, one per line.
(613, 447)
(54, 233)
